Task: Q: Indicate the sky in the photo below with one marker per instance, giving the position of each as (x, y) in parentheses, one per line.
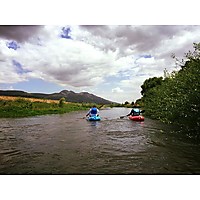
(110, 61)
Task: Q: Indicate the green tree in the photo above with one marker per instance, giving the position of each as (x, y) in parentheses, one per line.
(177, 99)
(126, 103)
(150, 83)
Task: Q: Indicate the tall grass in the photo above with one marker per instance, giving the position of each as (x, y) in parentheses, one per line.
(22, 108)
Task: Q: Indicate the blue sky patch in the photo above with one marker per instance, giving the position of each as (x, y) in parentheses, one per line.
(19, 68)
(34, 85)
(142, 56)
(12, 45)
(66, 33)
(115, 79)
(146, 56)
(39, 85)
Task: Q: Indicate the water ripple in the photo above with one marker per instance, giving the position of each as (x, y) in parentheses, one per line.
(68, 144)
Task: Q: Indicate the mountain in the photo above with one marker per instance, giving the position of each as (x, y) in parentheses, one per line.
(70, 96)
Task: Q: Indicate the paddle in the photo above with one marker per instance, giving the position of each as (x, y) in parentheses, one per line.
(141, 111)
(87, 117)
(121, 117)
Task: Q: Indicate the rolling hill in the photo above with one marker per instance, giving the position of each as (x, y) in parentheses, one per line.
(70, 96)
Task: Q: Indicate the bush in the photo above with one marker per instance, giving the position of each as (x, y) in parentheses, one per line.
(61, 102)
(177, 99)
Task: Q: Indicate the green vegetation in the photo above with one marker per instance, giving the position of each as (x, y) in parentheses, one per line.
(150, 83)
(23, 108)
(61, 102)
(176, 98)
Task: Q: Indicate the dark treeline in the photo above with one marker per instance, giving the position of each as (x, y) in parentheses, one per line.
(176, 97)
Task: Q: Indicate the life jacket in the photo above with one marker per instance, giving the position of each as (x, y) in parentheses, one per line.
(93, 111)
(136, 111)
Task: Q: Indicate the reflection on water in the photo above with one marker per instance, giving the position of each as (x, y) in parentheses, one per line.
(69, 144)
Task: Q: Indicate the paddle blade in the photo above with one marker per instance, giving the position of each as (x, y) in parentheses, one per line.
(121, 117)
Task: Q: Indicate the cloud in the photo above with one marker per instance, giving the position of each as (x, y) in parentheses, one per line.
(118, 58)
(19, 33)
(139, 38)
(68, 62)
(117, 90)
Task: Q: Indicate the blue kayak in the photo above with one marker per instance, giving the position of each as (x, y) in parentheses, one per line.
(94, 118)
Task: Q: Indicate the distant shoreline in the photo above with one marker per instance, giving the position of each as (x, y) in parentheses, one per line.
(13, 98)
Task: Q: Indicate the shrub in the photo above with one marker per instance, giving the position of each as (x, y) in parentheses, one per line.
(61, 102)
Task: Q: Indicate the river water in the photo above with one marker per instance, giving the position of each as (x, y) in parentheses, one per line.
(69, 144)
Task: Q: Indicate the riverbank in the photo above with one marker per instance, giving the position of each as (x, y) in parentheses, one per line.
(11, 107)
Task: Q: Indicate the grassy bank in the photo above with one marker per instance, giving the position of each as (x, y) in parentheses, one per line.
(23, 107)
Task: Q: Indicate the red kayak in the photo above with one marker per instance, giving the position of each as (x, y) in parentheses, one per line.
(136, 118)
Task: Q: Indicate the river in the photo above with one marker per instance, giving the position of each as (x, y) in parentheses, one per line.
(69, 144)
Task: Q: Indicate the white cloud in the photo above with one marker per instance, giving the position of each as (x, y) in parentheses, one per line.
(95, 54)
(117, 90)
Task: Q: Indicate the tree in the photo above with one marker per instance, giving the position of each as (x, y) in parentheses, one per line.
(126, 103)
(61, 102)
(176, 99)
(150, 83)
